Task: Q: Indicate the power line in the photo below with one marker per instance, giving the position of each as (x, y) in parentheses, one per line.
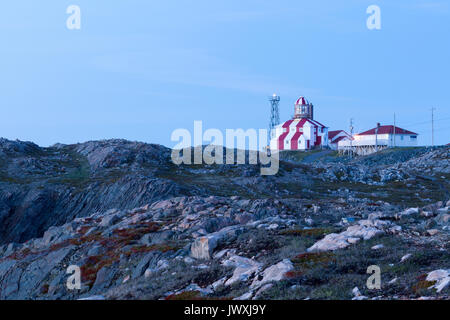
(440, 129)
(425, 122)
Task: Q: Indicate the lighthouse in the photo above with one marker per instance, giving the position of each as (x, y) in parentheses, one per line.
(301, 132)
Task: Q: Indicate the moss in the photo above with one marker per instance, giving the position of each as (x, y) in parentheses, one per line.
(314, 233)
(44, 288)
(93, 265)
(19, 255)
(297, 156)
(192, 295)
(4, 177)
(125, 236)
(421, 287)
(96, 236)
(154, 247)
(311, 260)
(60, 245)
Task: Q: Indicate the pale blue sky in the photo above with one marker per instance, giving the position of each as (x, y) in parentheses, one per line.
(140, 69)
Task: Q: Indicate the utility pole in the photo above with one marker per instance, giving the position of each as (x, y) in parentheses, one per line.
(376, 137)
(432, 127)
(351, 140)
(394, 130)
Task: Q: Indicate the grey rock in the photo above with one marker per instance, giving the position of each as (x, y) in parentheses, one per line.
(109, 220)
(245, 269)
(276, 272)
(11, 248)
(143, 265)
(365, 229)
(104, 278)
(203, 247)
(97, 297)
(442, 278)
(96, 250)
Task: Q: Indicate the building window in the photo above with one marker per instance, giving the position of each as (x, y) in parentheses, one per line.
(401, 137)
(413, 137)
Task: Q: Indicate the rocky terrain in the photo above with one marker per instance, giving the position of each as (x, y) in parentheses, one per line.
(140, 227)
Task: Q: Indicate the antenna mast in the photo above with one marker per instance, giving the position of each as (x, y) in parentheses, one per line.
(274, 114)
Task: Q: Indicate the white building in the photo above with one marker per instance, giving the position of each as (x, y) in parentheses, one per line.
(334, 137)
(379, 138)
(300, 133)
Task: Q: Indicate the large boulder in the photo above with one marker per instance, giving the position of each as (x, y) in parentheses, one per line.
(442, 278)
(244, 270)
(203, 247)
(365, 229)
(276, 272)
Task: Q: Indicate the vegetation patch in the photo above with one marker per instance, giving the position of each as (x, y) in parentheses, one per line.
(421, 287)
(154, 247)
(314, 233)
(93, 265)
(19, 255)
(186, 295)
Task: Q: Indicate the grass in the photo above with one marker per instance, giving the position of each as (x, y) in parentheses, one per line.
(297, 156)
(315, 233)
(332, 275)
(421, 288)
(154, 247)
(114, 245)
(396, 192)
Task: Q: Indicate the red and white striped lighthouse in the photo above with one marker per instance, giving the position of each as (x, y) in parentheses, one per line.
(302, 132)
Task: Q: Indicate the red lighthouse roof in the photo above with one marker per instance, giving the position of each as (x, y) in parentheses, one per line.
(386, 130)
(301, 101)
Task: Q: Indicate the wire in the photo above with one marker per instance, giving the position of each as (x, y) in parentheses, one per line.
(424, 122)
(439, 129)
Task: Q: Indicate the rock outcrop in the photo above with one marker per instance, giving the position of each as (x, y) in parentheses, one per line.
(139, 227)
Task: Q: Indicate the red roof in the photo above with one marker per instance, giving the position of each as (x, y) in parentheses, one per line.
(332, 134)
(317, 122)
(341, 138)
(387, 130)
